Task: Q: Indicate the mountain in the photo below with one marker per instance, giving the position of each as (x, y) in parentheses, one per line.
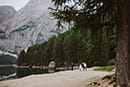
(30, 25)
(6, 13)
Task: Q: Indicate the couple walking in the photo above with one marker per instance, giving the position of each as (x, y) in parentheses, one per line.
(83, 67)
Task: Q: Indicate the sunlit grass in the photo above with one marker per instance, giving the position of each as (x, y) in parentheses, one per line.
(105, 68)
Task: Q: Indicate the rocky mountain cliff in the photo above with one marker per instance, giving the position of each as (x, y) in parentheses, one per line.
(30, 25)
(6, 13)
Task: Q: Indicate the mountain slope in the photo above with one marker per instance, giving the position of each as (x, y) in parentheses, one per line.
(30, 25)
(6, 13)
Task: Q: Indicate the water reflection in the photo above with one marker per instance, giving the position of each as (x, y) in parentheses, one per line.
(22, 72)
(7, 73)
(11, 72)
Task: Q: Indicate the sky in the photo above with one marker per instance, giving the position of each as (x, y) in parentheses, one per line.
(17, 4)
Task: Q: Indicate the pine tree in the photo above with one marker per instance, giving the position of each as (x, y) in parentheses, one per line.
(58, 50)
(21, 58)
(95, 14)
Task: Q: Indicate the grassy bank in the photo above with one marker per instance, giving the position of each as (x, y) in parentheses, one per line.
(105, 68)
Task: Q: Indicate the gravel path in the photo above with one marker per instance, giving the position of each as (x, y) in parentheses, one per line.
(74, 78)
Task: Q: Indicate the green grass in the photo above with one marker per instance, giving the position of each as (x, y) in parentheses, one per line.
(105, 68)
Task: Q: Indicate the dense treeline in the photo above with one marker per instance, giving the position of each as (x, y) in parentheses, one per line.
(73, 46)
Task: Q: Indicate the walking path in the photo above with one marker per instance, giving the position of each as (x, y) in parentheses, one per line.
(74, 78)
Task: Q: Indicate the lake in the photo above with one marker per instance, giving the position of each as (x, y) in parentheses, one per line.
(7, 72)
(12, 73)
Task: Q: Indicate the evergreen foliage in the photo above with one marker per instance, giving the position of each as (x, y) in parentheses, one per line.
(72, 46)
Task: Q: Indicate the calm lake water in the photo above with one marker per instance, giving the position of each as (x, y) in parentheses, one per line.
(11, 72)
(6, 71)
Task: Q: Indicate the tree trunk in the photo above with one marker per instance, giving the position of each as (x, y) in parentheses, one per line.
(122, 72)
(128, 20)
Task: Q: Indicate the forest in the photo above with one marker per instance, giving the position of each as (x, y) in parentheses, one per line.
(73, 46)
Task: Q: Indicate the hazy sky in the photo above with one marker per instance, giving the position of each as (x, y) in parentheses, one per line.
(17, 4)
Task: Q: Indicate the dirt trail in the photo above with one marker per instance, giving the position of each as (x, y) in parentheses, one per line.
(74, 78)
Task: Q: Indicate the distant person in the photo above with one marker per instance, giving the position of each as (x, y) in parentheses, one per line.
(80, 67)
(72, 66)
(51, 67)
(84, 66)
